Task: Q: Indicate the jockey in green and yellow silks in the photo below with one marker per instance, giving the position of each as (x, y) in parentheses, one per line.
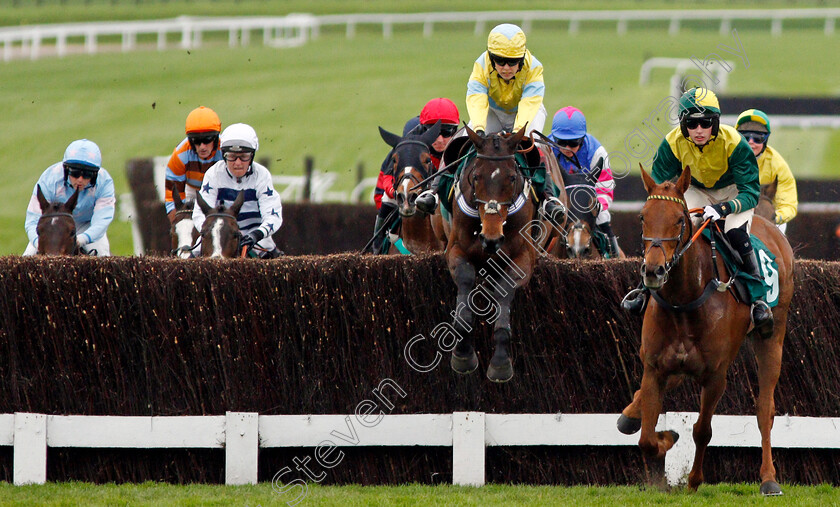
(754, 126)
(724, 182)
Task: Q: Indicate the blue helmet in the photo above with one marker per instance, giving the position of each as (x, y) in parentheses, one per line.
(82, 155)
(568, 123)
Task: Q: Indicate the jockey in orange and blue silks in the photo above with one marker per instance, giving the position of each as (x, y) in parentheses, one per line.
(580, 152)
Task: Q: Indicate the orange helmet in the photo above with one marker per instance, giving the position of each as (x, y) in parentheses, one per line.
(203, 119)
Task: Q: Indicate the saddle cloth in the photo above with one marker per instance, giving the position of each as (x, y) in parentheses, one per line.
(751, 289)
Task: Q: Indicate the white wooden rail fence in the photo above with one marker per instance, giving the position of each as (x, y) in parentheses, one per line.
(296, 29)
(242, 434)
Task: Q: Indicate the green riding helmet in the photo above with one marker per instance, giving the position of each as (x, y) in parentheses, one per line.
(699, 103)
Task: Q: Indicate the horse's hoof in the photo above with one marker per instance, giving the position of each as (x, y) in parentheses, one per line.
(771, 488)
(501, 373)
(464, 365)
(628, 425)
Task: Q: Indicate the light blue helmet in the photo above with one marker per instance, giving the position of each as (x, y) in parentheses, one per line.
(83, 152)
(568, 123)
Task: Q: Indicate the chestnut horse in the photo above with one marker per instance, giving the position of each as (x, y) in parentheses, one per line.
(699, 335)
(57, 227)
(182, 230)
(220, 232)
(411, 163)
(493, 222)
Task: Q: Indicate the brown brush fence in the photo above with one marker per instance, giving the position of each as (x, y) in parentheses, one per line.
(315, 334)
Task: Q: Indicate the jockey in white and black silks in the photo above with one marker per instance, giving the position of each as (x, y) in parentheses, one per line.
(261, 215)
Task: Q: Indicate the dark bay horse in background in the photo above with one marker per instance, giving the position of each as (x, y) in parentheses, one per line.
(220, 232)
(697, 337)
(411, 163)
(492, 237)
(182, 230)
(577, 242)
(57, 227)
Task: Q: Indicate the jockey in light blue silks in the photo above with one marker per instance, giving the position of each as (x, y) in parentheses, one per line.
(81, 168)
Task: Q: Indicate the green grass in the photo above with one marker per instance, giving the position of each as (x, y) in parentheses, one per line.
(327, 98)
(157, 494)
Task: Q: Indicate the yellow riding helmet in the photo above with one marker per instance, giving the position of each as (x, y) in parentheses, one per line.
(506, 40)
(203, 119)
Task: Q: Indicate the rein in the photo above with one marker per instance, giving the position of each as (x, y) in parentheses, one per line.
(713, 285)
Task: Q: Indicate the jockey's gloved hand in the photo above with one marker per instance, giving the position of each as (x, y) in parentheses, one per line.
(716, 211)
(251, 239)
(82, 240)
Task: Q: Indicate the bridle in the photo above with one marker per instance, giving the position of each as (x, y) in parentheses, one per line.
(424, 176)
(492, 206)
(658, 242)
(237, 234)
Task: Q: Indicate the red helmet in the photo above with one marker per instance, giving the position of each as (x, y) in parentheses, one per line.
(440, 109)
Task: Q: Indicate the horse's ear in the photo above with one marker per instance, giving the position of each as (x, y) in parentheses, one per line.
(205, 208)
(430, 135)
(517, 138)
(685, 180)
(389, 138)
(647, 180)
(71, 202)
(237, 204)
(770, 189)
(176, 196)
(476, 139)
(41, 199)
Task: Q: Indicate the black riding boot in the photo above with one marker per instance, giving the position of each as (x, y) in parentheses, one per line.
(761, 314)
(612, 240)
(427, 201)
(552, 208)
(381, 228)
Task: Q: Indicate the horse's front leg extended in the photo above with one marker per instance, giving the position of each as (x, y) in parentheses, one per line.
(654, 445)
(501, 367)
(464, 359)
(768, 354)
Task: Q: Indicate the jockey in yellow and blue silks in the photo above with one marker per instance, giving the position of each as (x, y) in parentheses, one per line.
(506, 88)
(505, 93)
(754, 126)
(724, 182)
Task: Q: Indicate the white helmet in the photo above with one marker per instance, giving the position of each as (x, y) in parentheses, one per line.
(239, 137)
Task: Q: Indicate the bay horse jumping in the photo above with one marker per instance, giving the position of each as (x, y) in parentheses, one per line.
(57, 227)
(411, 163)
(220, 232)
(491, 236)
(697, 332)
(182, 230)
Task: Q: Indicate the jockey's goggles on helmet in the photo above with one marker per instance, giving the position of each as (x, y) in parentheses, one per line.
(569, 143)
(244, 156)
(510, 62)
(448, 130)
(693, 123)
(204, 139)
(756, 137)
(80, 170)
